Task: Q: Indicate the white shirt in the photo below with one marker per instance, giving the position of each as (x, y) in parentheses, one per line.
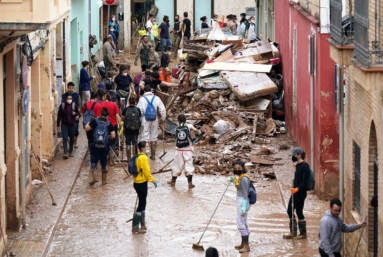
(212, 22)
(241, 30)
(149, 24)
(251, 34)
(157, 103)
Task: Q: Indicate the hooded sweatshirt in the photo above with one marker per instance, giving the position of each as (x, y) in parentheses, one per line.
(330, 229)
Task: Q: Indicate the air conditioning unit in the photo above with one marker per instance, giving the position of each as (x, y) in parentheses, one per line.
(250, 11)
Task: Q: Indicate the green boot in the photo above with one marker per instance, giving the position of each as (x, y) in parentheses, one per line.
(142, 221)
(136, 223)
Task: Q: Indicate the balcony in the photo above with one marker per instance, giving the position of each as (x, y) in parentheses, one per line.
(342, 28)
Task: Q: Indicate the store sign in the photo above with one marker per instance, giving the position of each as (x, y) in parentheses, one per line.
(109, 2)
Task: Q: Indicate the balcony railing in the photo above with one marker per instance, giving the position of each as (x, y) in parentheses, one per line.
(342, 28)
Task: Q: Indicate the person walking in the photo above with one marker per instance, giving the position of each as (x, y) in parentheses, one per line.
(149, 130)
(331, 227)
(84, 82)
(251, 31)
(163, 34)
(88, 110)
(107, 50)
(143, 52)
(155, 33)
(164, 69)
(76, 101)
(113, 22)
(132, 123)
(204, 22)
(299, 192)
(242, 183)
(186, 26)
(102, 132)
(241, 29)
(141, 186)
(123, 81)
(114, 97)
(231, 25)
(149, 28)
(183, 160)
(154, 58)
(177, 33)
(114, 41)
(67, 117)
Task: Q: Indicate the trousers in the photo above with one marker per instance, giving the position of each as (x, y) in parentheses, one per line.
(183, 160)
(68, 131)
(99, 154)
(85, 97)
(149, 131)
(323, 254)
(299, 203)
(142, 193)
(242, 224)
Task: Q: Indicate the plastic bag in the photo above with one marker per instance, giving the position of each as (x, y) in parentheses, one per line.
(222, 126)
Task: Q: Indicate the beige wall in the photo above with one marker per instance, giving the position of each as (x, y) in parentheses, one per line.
(231, 7)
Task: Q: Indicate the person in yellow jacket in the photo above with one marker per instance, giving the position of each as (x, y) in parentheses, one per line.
(141, 186)
(155, 32)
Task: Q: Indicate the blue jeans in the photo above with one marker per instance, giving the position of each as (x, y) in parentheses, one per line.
(99, 154)
(165, 42)
(68, 131)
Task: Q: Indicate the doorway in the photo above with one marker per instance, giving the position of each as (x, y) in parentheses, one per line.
(373, 225)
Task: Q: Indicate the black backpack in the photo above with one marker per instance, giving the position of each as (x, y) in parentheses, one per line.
(182, 136)
(132, 118)
(113, 96)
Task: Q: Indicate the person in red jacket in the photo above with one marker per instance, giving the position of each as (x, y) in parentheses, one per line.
(114, 118)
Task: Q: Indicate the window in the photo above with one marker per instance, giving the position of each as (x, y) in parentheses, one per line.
(361, 31)
(357, 177)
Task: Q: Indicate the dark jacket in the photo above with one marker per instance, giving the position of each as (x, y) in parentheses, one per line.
(301, 177)
(84, 80)
(65, 114)
(123, 82)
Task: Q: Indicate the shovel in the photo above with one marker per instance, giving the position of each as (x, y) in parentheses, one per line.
(163, 141)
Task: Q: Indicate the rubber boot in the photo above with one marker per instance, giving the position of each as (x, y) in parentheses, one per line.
(172, 182)
(239, 247)
(153, 150)
(128, 152)
(104, 182)
(95, 179)
(190, 181)
(111, 157)
(65, 155)
(246, 246)
(136, 223)
(293, 229)
(142, 221)
(302, 229)
(75, 145)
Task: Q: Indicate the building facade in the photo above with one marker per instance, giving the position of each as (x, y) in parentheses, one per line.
(356, 47)
(310, 111)
(30, 69)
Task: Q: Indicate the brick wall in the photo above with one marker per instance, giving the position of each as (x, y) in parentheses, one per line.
(364, 108)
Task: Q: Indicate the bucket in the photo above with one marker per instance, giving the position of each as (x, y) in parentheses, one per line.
(222, 24)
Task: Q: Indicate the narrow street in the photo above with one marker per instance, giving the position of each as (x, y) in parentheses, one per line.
(93, 222)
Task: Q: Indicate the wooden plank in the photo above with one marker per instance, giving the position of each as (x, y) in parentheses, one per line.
(237, 67)
(257, 104)
(259, 160)
(227, 55)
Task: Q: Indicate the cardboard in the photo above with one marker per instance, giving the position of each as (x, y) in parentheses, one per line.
(224, 56)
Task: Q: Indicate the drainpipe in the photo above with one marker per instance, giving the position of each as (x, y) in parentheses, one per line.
(64, 53)
(341, 134)
(312, 73)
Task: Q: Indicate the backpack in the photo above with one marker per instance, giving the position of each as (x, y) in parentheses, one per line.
(101, 134)
(132, 118)
(311, 181)
(73, 106)
(182, 136)
(89, 114)
(132, 166)
(252, 194)
(113, 96)
(150, 112)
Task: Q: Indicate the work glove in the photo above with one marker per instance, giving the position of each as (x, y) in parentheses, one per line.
(294, 190)
(199, 132)
(244, 206)
(155, 184)
(232, 179)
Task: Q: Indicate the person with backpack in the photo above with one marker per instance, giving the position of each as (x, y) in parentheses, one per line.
(102, 131)
(243, 184)
(184, 152)
(132, 123)
(114, 97)
(88, 113)
(67, 116)
(114, 118)
(141, 186)
(143, 52)
(299, 192)
(76, 100)
(149, 104)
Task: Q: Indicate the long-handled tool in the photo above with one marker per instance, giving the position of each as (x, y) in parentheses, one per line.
(197, 246)
(134, 210)
(119, 162)
(163, 140)
(42, 175)
(170, 105)
(360, 237)
(165, 166)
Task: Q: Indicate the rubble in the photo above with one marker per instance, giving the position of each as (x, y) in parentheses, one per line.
(232, 90)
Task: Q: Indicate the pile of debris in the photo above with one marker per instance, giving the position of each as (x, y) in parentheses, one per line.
(234, 92)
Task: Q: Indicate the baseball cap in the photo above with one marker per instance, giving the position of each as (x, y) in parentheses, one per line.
(296, 150)
(101, 85)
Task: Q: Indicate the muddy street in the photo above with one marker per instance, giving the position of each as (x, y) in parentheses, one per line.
(94, 220)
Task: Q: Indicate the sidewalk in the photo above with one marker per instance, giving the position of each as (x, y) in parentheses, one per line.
(34, 240)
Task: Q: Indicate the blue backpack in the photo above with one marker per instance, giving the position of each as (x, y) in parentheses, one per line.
(89, 114)
(252, 194)
(132, 166)
(150, 112)
(101, 134)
